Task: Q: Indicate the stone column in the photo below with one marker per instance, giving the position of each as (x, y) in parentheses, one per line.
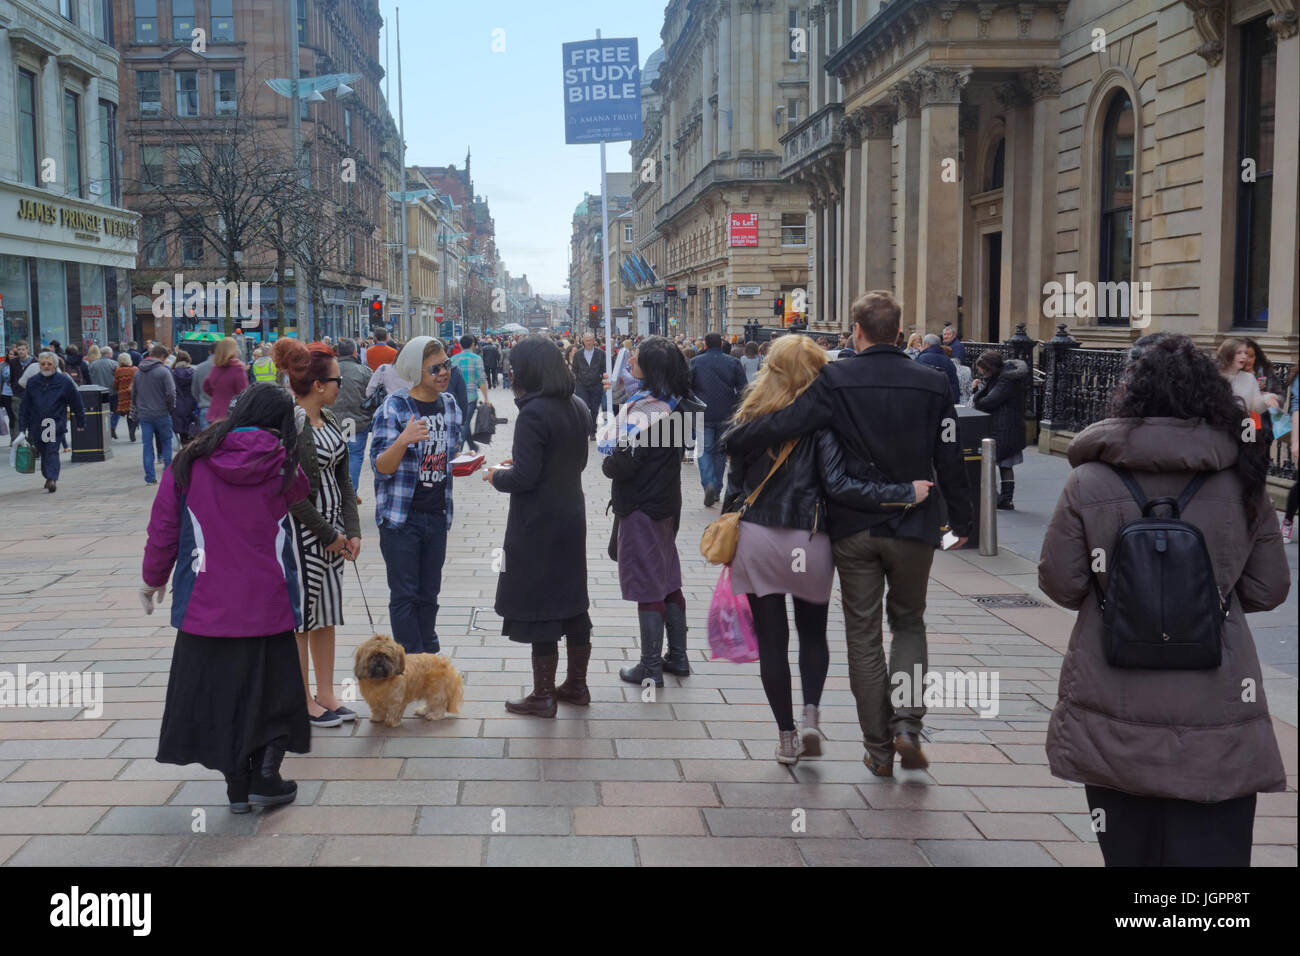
(907, 100)
(667, 125)
(1044, 87)
(724, 78)
(873, 213)
(832, 44)
(706, 93)
(815, 284)
(1017, 179)
(816, 60)
(1283, 287)
(939, 218)
(765, 137)
(746, 83)
(851, 237)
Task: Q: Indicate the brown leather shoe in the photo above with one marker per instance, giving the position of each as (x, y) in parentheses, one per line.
(541, 702)
(574, 690)
(879, 769)
(908, 747)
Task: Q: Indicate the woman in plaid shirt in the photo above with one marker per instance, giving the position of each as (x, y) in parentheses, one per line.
(416, 434)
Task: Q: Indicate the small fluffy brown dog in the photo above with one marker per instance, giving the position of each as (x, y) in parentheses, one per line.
(390, 679)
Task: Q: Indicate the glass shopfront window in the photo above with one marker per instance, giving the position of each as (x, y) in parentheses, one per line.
(51, 302)
(94, 317)
(15, 296)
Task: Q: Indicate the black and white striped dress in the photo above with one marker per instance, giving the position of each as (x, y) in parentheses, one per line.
(321, 573)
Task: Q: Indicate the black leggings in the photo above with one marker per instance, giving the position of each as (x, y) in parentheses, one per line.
(772, 627)
(1291, 500)
(552, 648)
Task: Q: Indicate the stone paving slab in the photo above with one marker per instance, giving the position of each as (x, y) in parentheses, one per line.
(687, 778)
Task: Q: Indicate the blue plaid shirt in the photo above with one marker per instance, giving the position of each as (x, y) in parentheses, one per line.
(393, 492)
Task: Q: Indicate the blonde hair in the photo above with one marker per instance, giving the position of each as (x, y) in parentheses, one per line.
(225, 351)
(94, 355)
(793, 362)
(914, 341)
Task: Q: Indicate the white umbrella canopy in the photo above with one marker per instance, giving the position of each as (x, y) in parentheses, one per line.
(513, 328)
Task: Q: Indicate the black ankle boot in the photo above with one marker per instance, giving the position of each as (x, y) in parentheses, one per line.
(675, 661)
(267, 788)
(541, 702)
(574, 690)
(652, 649)
(237, 792)
(1004, 499)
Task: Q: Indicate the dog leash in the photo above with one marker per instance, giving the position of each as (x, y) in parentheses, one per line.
(362, 589)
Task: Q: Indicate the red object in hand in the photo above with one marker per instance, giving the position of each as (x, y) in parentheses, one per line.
(466, 465)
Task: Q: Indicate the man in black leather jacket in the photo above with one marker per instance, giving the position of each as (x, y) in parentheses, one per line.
(895, 421)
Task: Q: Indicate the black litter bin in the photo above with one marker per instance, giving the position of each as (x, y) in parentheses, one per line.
(92, 443)
(972, 427)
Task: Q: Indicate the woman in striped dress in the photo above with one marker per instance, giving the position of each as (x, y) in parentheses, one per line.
(325, 526)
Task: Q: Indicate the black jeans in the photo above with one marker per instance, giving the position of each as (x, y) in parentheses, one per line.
(413, 557)
(1160, 831)
(594, 397)
(1292, 497)
(772, 628)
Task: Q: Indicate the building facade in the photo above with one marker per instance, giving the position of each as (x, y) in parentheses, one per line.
(67, 245)
(586, 274)
(193, 77)
(717, 217)
(1116, 167)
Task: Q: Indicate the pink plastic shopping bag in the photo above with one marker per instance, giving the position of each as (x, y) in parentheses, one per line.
(731, 624)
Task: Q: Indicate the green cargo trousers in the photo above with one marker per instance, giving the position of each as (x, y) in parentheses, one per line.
(866, 565)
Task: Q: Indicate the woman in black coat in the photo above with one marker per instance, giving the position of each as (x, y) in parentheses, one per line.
(542, 588)
(1000, 391)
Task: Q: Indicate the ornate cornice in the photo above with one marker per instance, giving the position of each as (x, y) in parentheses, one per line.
(1283, 21)
(1211, 20)
(1042, 82)
(906, 95)
(941, 85)
(874, 122)
(850, 133)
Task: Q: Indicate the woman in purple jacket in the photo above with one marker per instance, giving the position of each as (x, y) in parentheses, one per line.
(234, 697)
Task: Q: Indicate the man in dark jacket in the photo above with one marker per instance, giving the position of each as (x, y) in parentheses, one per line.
(133, 350)
(347, 407)
(491, 356)
(103, 369)
(896, 423)
(933, 356)
(43, 415)
(153, 397)
(717, 380)
(951, 340)
(588, 375)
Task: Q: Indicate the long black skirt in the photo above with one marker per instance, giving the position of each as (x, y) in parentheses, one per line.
(229, 696)
(576, 628)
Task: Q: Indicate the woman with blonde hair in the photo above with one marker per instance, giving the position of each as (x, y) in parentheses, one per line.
(915, 345)
(227, 379)
(787, 517)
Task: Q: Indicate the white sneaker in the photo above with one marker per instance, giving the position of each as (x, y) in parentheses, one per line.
(788, 747)
(810, 733)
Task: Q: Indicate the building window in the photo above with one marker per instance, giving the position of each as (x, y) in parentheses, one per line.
(110, 171)
(105, 21)
(794, 41)
(151, 166)
(182, 19)
(347, 126)
(153, 248)
(148, 92)
(792, 113)
(187, 93)
(1257, 121)
(189, 162)
(225, 100)
(627, 232)
(1117, 178)
(72, 142)
(146, 21)
(302, 21)
(997, 167)
(794, 229)
(352, 252)
(27, 143)
(191, 243)
(222, 27)
(720, 304)
(68, 10)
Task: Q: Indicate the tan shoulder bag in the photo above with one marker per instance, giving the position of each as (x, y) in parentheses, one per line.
(718, 545)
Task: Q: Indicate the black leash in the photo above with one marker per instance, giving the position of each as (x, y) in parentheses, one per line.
(361, 588)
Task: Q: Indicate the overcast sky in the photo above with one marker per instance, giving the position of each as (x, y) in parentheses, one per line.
(508, 108)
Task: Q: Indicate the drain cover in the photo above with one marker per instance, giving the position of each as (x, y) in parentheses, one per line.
(1004, 600)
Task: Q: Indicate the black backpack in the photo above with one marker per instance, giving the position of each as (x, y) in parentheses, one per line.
(1162, 609)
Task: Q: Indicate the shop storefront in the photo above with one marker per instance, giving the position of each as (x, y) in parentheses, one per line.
(63, 268)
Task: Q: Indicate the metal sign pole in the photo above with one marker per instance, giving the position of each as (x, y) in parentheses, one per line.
(604, 266)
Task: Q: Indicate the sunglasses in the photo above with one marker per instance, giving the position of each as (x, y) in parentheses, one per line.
(337, 380)
(440, 368)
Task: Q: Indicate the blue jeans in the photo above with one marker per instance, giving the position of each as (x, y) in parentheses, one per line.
(357, 454)
(203, 417)
(413, 555)
(709, 457)
(467, 426)
(149, 427)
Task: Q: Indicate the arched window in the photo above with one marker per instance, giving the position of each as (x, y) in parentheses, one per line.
(997, 165)
(1117, 178)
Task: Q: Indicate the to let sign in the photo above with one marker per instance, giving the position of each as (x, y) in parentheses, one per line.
(744, 229)
(602, 91)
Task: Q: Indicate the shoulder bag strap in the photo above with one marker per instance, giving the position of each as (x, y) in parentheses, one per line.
(1192, 488)
(780, 460)
(1133, 487)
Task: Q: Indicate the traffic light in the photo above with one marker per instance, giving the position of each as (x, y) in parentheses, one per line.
(376, 313)
(778, 306)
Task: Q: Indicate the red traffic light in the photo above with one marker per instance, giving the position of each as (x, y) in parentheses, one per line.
(778, 306)
(377, 310)
(593, 310)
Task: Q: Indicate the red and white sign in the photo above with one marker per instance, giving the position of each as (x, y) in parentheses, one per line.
(437, 312)
(744, 229)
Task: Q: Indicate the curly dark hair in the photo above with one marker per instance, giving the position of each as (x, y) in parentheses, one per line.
(265, 406)
(663, 368)
(1167, 376)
